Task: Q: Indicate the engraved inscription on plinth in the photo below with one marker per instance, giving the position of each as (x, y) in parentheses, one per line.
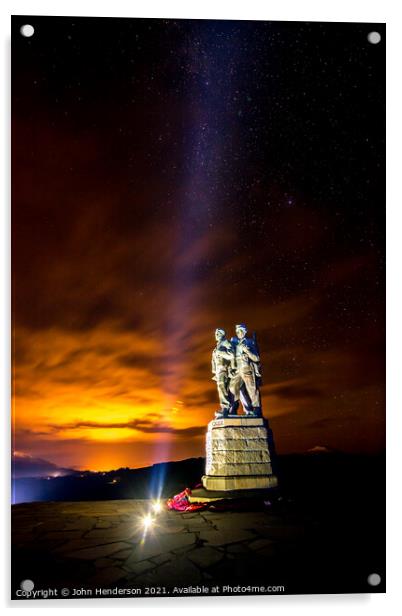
(238, 456)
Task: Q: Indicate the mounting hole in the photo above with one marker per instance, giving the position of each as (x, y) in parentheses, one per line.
(27, 30)
(374, 579)
(374, 37)
(27, 585)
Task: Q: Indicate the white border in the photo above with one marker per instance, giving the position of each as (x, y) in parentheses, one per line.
(285, 10)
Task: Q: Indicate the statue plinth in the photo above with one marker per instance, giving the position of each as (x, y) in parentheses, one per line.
(238, 455)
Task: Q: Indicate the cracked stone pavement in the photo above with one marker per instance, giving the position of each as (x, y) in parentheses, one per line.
(102, 544)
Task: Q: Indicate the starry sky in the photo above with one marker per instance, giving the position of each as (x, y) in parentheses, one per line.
(172, 176)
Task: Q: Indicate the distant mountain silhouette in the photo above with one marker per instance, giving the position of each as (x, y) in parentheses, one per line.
(316, 473)
(159, 480)
(24, 465)
(322, 449)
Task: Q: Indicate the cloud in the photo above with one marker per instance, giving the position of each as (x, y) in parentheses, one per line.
(139, 425)
(296, 391)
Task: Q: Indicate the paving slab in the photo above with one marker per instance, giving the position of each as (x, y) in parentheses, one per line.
(226, 536)
(204, 557)
(156, 545)
(97, 551)
(106, 577)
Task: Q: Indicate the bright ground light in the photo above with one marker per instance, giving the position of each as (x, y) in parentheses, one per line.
(147, 522)
(157, 507)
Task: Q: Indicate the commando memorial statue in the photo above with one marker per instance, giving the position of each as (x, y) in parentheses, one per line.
(239, 446)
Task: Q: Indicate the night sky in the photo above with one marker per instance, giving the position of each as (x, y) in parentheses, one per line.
(172, 176)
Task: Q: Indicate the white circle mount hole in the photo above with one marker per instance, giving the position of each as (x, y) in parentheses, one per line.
(27, 30)
(374, 579)
(374, 38)
(27, 585)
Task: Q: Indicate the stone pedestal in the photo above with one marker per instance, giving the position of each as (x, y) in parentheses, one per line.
(238, 456)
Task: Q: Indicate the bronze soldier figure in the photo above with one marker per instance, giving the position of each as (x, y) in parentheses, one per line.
(244, 384)
(223, 364)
